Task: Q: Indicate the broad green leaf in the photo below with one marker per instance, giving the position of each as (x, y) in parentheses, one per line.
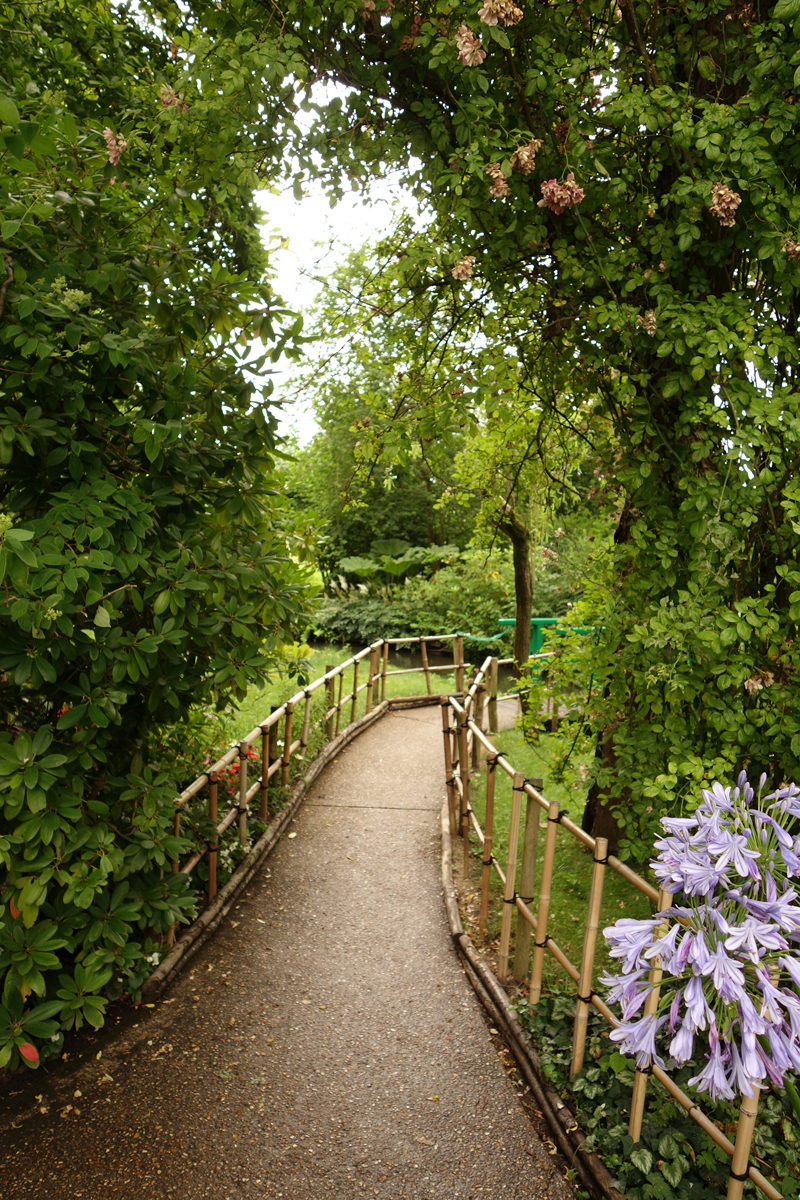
(643, 1159)
(9, 113)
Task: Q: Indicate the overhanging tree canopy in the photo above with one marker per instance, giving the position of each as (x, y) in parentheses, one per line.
(628, 174)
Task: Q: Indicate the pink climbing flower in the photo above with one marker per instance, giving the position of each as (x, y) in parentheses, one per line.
(504, 11)
(463, 268)
(648, 322)
(499, 187)
(560, 196)
(724, 204)
(524, 157)
(115, 145)
(172, 99)
(469, 47)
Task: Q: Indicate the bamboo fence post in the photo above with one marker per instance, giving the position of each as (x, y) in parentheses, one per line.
(371, 669)
(424, 650)
(587, 958)
(510, 893)
(448, 767)
(274, 751)
(545, 886)
(527, 880)
(212, 845)
(176, 829)
(741, 1150)
(650, 1007)
(477, 744)
(243, 793)
(493, 696)
(384, 667)
(339, 702)
(287, 744)
(463, 759)
(306, 723)
(264, 773)
(330, 692)
(488, 826)
(355, 693)
(459, 657)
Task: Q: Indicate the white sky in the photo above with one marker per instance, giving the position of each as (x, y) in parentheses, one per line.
(319, 237)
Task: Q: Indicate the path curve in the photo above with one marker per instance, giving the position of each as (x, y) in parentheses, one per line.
(325, 1045)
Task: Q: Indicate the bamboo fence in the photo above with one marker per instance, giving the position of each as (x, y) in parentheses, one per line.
(462, 731)
(283, 737)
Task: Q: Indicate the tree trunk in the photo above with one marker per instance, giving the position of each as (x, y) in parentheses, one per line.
(520, 538)
(597, 818)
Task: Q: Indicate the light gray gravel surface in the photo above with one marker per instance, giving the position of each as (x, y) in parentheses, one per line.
(325, 1045)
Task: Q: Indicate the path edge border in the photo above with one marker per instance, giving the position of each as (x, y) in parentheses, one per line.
(569, 1139)
(212, 916)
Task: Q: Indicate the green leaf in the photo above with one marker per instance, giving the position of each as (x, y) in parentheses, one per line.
(668, 1147)
(15, 143)
(786, 10)
(9, 114)
(706, 67)
(643, 1159)
(8, 229)
(102, 618)
(672, 1172)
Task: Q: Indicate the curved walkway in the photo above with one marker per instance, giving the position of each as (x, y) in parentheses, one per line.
(325, 1045)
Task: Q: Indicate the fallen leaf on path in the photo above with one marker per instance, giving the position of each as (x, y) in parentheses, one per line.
(434, 1098)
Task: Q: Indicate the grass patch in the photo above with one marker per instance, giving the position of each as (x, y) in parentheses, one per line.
(573, 864)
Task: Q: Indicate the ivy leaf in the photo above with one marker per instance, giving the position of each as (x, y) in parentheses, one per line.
(643, 1159)
(672, 1172)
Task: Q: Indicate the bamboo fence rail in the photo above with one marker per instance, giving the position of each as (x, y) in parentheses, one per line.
(280, 748)
(461, 732)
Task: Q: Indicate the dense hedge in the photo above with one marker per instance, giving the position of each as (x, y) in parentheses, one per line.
(143, 551)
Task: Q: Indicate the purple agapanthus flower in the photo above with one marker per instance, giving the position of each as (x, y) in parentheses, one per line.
(730, 954)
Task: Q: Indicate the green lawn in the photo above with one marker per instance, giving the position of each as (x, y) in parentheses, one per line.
(216, 732)
(573, 863)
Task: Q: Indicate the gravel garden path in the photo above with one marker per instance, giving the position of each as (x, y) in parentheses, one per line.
(325, 1045)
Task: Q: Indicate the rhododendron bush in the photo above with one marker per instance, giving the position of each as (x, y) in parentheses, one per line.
(144, 556)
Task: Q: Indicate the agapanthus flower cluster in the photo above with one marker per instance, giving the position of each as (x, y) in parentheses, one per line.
(503, 11)
(560, 196)
(115, 145)
(499, 187)
(724, 203)
(731, 951)
(463, 268)
(524, 157)
(469, 47)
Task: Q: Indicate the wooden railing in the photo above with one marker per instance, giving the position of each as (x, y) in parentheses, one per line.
(465, 746)
(283, 738)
